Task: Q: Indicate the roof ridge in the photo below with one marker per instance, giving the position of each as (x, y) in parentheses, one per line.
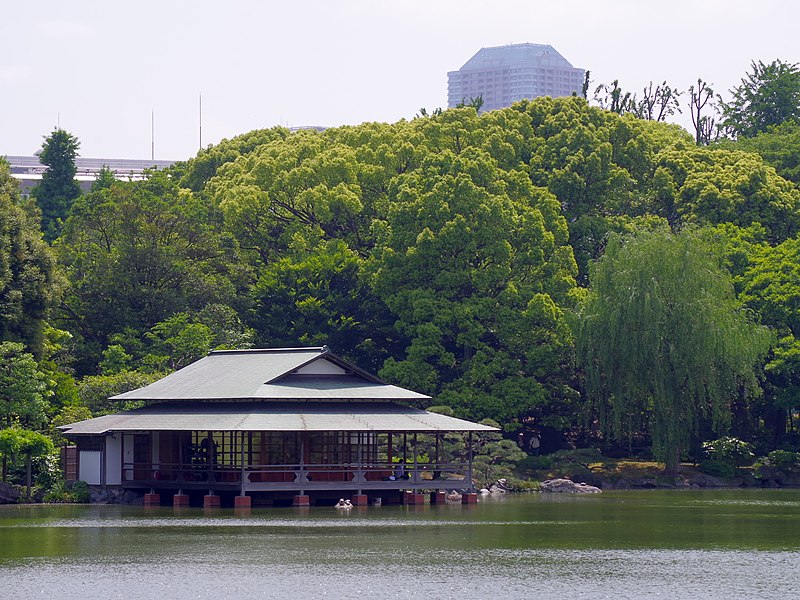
(267, 350)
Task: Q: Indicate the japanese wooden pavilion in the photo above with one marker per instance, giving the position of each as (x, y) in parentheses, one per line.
(279, 425)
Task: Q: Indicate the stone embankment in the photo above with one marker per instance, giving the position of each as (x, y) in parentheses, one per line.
(98, 495)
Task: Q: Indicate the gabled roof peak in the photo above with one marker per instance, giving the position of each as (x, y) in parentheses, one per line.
(272, 350)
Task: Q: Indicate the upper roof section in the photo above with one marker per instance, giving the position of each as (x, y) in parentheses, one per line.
(270, 374)
(515, 54)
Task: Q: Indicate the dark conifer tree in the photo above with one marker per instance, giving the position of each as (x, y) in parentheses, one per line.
(58, 188)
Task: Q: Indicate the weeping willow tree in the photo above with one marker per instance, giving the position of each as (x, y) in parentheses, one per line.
(663, 342)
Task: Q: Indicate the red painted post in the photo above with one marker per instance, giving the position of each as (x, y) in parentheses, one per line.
(211, 501)
(438, 498)
(152, 499)
(469, 498)
(242, 502)
(359, 500)
(180, 500)
(301, 500)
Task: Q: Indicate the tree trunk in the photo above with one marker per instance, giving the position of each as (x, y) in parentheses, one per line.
(672, 463)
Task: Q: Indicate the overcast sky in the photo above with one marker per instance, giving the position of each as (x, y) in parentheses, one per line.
(101, 69)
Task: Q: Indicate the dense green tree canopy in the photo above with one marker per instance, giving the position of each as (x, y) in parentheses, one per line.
(771, 288)
(779, 147)
(29, 284)
(713, 186)
(198, 171)
(137, 253)
(22, 387)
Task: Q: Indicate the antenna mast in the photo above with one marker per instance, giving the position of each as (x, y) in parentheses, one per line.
(152, 135)
(201, 121)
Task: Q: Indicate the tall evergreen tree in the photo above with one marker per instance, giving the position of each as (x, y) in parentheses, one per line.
(766, 97)
(58, 188)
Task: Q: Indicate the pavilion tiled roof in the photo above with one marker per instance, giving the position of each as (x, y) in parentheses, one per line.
(268, 375)
(275, 416)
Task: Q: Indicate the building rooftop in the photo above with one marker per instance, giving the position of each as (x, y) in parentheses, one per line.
(271, 374)
(515, 54)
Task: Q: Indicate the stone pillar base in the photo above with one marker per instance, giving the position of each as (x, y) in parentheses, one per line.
(152, 499)
(438, 498)
(301, 500)
(359, 499)
(211, 501)
(413, 498)
(469, 498)
(242, 502)
(180, 500)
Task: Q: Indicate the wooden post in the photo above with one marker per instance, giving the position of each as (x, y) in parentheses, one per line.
(181, 466)
(416, 467)
(469, 462)
(241, 489)
(360, 474)
(210, 455)
(301, 476)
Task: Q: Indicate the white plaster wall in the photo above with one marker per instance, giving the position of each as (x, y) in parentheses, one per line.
(89, 463)
(128, 455)
(114, 459)
(321, 366)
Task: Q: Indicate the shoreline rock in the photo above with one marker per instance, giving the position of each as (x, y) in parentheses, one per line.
(567, 486)
(9, 494)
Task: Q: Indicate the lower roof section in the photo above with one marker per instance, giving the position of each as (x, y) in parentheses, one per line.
(274, 416)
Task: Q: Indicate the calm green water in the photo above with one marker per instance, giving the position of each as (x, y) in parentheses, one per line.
(644, 544)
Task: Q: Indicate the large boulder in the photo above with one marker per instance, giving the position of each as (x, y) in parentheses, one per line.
(567, 486)
(9, 494)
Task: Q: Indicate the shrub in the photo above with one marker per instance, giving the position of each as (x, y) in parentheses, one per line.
(523, 485)
(718, 468)
(731, 450)
(778, 460)
(536, 463)
(76, 492)
(784, 460)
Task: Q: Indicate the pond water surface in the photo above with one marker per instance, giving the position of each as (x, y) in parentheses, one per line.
(642, 544)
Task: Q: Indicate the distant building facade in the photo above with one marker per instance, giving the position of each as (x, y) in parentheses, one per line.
(28, 170)
(501, 75)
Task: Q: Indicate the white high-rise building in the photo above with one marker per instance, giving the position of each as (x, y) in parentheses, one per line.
(504, 74)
